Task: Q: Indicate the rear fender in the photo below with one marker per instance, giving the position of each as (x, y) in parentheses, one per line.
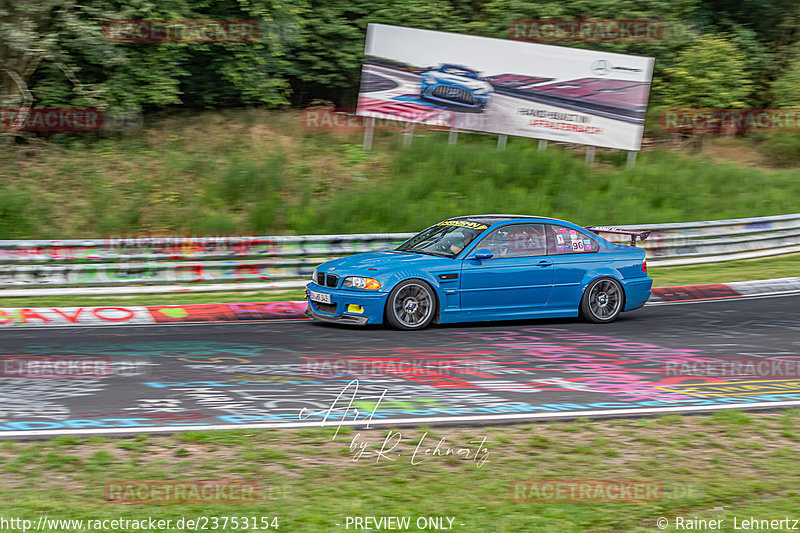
(602, 272)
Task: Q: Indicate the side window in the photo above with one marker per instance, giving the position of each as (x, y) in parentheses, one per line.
(561, 240)
(517, 240)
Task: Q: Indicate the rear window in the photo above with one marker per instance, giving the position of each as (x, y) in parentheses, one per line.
(563, 240)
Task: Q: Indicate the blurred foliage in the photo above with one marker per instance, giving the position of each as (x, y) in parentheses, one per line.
(782, 148)
(708, 74)
(57, 49)
(787, 86)
(313, 49)
(259, 172)
(433, 180)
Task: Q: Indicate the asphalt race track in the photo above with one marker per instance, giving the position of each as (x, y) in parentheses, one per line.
(291, 373)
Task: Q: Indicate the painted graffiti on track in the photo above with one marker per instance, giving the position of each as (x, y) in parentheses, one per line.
(289, 373)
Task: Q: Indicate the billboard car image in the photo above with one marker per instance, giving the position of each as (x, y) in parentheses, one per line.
(505, 87)
(455, 85)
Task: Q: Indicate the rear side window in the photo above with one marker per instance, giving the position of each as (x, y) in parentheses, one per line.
(517, 240)
(561, 240)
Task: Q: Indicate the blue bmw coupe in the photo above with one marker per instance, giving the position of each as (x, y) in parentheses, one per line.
(485, 267)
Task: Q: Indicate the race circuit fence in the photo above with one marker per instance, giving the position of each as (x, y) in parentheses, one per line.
(151, 264)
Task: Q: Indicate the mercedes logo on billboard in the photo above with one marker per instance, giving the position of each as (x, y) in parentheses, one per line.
(601, 67)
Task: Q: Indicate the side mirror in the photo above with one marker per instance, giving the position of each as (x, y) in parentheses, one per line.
(483, 253)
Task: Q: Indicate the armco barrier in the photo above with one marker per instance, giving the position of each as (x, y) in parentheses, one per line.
(169, 264)
(716, 241)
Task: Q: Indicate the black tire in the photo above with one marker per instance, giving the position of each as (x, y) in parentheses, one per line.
(411, 305)
(603, 301)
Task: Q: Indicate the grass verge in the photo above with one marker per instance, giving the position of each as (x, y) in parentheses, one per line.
(258, 171)
(729, 464)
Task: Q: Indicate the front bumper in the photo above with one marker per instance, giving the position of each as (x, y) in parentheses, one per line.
(479, 100)
(341, 319)
(341, 309)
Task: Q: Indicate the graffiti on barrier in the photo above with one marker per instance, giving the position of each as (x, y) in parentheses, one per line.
(153, 272)
(160, 314)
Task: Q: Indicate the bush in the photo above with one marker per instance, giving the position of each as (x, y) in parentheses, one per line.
(782, 149)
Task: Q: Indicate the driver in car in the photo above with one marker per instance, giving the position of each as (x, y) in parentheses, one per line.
(458, 241)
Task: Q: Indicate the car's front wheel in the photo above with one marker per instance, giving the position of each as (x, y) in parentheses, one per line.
(602, 301)
(411, 305)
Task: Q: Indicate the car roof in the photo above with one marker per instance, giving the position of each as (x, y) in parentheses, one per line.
(491, 219)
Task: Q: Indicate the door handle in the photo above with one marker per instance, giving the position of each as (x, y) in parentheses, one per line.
(544, 263)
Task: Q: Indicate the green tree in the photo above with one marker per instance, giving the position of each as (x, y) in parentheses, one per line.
(710, 73)
(786, 88)
(55, 53)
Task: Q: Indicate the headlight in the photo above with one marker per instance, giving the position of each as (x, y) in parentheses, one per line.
(361, 283)
(314, 276)
(482, 90)
(429, 79)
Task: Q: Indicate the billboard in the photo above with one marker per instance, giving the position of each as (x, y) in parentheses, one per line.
(505, 87)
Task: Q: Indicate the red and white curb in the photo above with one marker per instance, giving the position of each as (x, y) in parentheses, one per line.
(150, 314)
(724, 291)
(246, 311)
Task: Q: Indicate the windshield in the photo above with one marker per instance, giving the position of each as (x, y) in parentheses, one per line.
(459, 72)
(446, 239)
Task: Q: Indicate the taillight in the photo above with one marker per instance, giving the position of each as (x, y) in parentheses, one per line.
(644, 265)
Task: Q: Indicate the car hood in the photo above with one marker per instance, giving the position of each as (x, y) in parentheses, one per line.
(385, 264)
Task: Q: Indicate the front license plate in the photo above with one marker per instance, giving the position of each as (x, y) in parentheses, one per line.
(319, 297)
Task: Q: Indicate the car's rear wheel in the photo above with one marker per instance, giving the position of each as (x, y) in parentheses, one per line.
(411, 305)
(602, 301)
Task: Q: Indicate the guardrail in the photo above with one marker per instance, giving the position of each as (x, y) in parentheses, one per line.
(715, 241)
(168, 264)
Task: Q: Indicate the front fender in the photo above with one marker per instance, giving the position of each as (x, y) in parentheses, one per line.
(428, 277)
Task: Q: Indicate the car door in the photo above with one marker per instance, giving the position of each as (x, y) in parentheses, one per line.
(516, 280)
